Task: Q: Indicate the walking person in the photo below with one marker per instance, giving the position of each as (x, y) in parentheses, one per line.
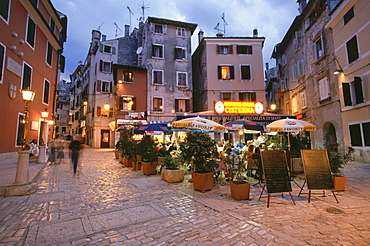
(52, 154)
(75, 147)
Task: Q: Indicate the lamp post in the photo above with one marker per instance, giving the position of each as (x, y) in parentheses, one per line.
(23, 159)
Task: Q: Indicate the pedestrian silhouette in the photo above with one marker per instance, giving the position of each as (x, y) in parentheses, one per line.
(75, 147)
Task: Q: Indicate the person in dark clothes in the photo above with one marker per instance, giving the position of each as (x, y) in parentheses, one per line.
(75, 147)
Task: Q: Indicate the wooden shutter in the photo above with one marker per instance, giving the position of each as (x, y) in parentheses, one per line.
(346, 94)
(230, 49)
(98, 111)
(113, 50)
(111, 112)
(232, 73)
(98, 85)
(101, 47)
(219, 72)
(101, 66)
(177, 105)
(120, 103)
(218, 49)
(358, 90)
(187, 105)
(110, 87)
(111, 66)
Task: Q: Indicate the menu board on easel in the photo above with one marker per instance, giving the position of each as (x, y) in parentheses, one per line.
(275, 168)
(317, 170)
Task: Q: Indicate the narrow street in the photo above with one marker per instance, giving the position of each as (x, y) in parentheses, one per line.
(107, 204)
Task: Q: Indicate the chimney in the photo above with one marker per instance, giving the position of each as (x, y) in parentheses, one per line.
(103, 37)
(95, 36)
(127, 30)
(255, 33)
(200, 36)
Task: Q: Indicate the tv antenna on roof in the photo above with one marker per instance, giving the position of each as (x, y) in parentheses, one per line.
(129, 13)
(217, 27)
(225, 23)
(100, 26)
(143, 8)
(117, 28)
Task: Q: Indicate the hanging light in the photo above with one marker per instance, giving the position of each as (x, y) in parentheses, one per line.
(106, 106)
(28, 95)
(338, 71)
(44, 114)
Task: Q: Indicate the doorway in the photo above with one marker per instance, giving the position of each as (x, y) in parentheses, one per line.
(104, 143)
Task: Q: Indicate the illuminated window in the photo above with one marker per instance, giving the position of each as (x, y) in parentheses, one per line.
(226, 72)
(128, 76)
(157, 104)
(127, 103)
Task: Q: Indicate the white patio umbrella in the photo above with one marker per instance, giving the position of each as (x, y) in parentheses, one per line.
(199, 123)
(290, 126)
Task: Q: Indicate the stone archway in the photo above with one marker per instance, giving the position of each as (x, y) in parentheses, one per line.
(330, 134)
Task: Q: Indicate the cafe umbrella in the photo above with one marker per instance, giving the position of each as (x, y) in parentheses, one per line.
(246, 124)
(198, 123)
(290, 126)
(149, 128)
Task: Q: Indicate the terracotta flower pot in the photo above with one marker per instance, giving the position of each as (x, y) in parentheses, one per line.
(240, 191)
(149, 168)
(202, 181)
(339, 183)
(128, 163)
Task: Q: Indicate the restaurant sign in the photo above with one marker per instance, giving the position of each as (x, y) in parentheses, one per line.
(238, 107)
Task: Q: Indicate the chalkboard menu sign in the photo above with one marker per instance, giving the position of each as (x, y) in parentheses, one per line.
(317, 170)
(274, 165)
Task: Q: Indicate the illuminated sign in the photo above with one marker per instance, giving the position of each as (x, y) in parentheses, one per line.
(238, 107)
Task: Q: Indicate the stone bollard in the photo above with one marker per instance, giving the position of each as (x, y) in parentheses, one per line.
(42, 155)
(22, 175)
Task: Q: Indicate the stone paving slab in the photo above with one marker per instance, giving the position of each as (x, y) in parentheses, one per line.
(106, 204)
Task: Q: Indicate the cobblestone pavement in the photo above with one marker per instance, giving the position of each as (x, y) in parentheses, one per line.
(107, 204)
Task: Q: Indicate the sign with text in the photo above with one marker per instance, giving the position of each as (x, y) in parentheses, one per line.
(317, 169)
(238, 107)
(275, 167)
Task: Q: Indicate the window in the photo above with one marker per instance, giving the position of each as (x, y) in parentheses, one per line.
(35, 2)
(226, 72)
(31, 30)
(2, 62)
(157, 50)
(52, 24)
(46, 95)
(127, 103)
(4, 9)
(182, 105)
(157, 104)
(246, 72)
(295, 72)
(283, 60)
(180, 31)
(20, 129)
(128, 76)
(103, 86)
(355, 133)
(49, 54)
(180, 53)
(352, 92)
(105, 66)
(244, 49)
(226, 96)
(159, 29)
(324, 88)
(301, 70)
(247, 96)
(107, 49)
(157, 77)
(182, 79)
(318, 47)
(294, 104)
(352, 49)
(224, 49)
(348, 16)
(297, 42)
(303, 99)
(27, 75)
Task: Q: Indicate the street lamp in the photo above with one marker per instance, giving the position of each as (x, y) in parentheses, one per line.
(44, 114)
(27, 96)
(273, 106)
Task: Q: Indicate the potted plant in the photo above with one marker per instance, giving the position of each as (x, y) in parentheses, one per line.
(118, 149)
(148, 152)
(338, 159)
(239, 188)
(171, 171)
(198, 149)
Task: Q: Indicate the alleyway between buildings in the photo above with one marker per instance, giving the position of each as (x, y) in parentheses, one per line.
(107, 204)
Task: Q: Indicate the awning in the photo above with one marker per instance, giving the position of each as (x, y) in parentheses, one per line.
(263, 119)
